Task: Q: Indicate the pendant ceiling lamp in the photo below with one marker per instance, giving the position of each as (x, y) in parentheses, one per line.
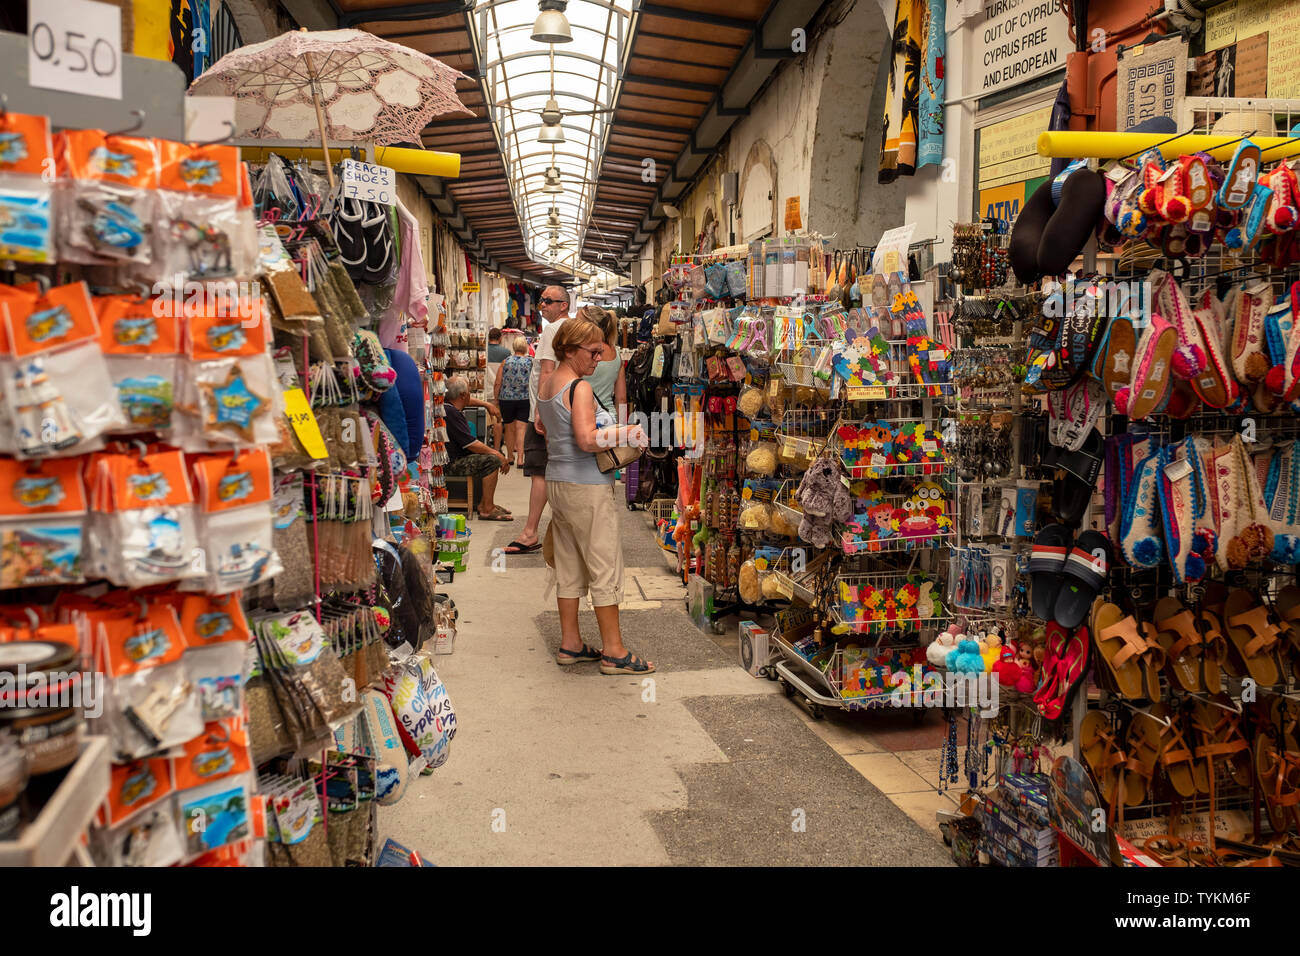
(551, 116)
(551, 134)
(552, 26)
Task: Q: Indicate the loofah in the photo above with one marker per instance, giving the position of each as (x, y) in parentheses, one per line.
(750, 402)
(756, 518)
(761, 460)
(771, 588)
(751, 589)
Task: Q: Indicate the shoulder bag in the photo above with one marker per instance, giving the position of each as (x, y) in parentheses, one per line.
(609, 459)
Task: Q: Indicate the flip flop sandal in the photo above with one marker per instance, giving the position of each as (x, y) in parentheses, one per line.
(1149, 379)
(627, 664)
(1176, 757)
(1252, 304)
(1056, 418)
(1143, 740)
(1086, 403)
(1176, 632)
(1104, 756)
(588, 653)
(1219, 735)
(1081, 469)
(1083, 577)
(1069, 676)
(1046, 562)
(521, 548)
(1140, 538)
(1215, 649)
(1121, 646)
(1278, 773)
(1057, 637)
(1252, 633)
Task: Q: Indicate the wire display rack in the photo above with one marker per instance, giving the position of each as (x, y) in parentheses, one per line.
(806, 367)
(880, 602)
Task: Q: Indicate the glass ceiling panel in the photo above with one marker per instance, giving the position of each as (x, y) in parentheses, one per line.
(582, 76)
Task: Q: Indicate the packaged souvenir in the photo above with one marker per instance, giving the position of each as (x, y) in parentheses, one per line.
(426, 719)
(296, 652)
(26, 193)
(140, 340)
(233, 401)
(216, 814)
(234, 495)
(107, 197)
(150, 838)
(144, 523)
(150, 705)
(57, 389)
(219, 751)
(42, 511)
(135, 785)
(200, 228)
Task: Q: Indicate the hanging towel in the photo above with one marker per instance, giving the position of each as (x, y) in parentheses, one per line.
(898, 149)
(930, 111)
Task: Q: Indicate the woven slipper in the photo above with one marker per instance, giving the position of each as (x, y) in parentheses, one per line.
(1177, 634)
(1114, 365)
(1083, 577)
(1214, 384)
(1151, 377)
(1181, 508)
(1140, 539)
(1240, 177)
(1172, 305)
(1046, 562)
(1250, 306)
(1282, 499)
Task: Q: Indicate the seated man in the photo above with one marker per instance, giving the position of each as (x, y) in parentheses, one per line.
(468, 455)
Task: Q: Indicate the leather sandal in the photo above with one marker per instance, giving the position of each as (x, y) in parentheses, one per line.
(1143, 740)
(1185, 775)
(1123, 648)
(1183, 645)
(1104, 756)
(1215, 650)
(1278, 773)
(1253, 635)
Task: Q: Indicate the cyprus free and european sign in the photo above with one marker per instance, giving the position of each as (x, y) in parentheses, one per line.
(1014, 41)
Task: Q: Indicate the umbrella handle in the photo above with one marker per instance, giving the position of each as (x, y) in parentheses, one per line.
(320, 118)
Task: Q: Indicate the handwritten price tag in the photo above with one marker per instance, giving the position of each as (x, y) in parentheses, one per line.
(369, 182)
(75, 46)
(303, 420)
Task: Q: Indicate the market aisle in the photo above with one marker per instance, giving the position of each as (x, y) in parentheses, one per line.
(704, 765)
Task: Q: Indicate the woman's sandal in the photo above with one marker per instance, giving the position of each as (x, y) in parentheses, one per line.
(565, 657)
(1176, 757)
(1123, 648)
(1278, 773)
(1166, 849)
(1069, 674)
(1104, 756)
(1215, 652)
(1143, 739)
(1184, 647)
(1219, 735)
(1253, 635)
(628, 664)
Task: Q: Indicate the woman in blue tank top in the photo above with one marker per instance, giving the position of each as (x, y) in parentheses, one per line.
(588, 552)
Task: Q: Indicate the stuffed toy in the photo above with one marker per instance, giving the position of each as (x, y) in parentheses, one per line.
(992, 651)
(944, 644)
(825, 500)
(966, 658)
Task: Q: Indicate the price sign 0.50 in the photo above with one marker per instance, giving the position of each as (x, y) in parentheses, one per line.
(369, 182)
(75, 46)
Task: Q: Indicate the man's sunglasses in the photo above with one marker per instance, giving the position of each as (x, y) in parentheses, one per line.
(546, 301)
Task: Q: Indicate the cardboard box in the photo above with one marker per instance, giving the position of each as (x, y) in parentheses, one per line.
(755, 648)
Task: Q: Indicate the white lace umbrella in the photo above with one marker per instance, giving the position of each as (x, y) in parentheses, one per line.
(348, 84)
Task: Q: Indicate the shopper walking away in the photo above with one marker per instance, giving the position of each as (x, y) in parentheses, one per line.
(608, 381)
(554, 308)
(512, 397)
(498, 351)
(468, 455)
(584, 530)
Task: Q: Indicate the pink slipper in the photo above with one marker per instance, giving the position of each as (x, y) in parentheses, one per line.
(1172, 304)
(1152, 365)
(1214, 385)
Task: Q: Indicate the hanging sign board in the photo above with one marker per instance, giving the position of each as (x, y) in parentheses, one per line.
(369, 182)
(1014, 41)
(75, 46)
(469, 288)
(891, 250)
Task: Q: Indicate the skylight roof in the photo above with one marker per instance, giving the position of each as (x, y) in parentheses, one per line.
(582, 76)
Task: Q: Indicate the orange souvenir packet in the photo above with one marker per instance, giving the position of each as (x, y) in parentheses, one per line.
(135, 642)
(208, 170)
(232, 481)
(129, 325)
(221, 750)
(134, 786)
(25, 143)
(93, 154)
(208, 619)
(134, 481)
(237, 330)
(53, 486)
(63, 316)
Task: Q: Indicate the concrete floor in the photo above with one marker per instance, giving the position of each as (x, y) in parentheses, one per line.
(698, 764)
